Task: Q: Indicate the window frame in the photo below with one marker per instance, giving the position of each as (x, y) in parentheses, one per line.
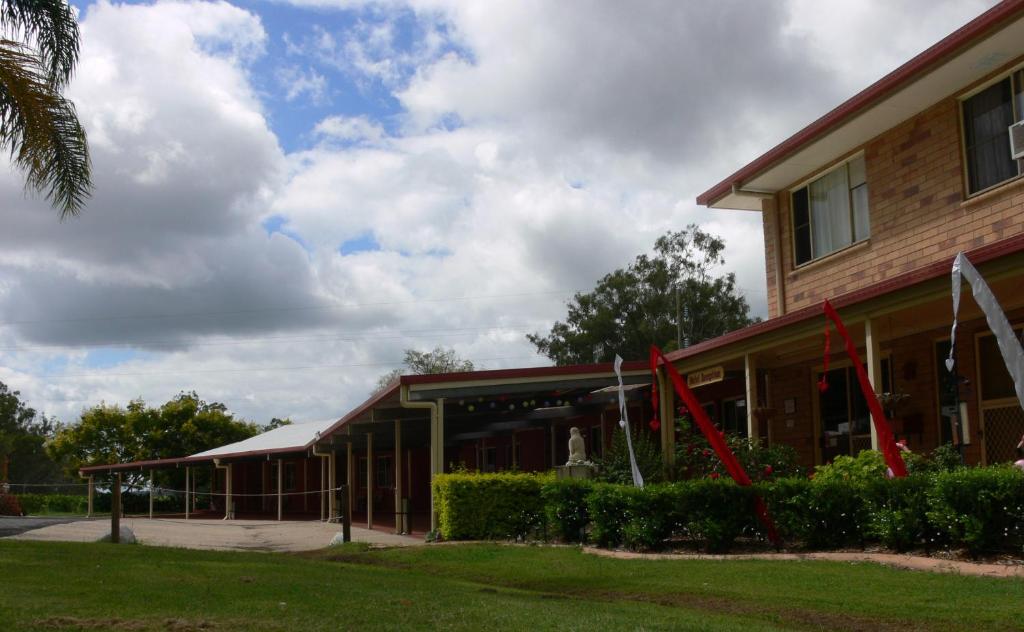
(1017, 116)
(805, 186)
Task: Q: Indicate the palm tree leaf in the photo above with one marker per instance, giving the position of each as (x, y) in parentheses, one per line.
(51, 27)
(41, 131)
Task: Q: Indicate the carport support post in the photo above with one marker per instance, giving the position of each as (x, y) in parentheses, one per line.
(369, 479)
(92, 493)
(188, 489)
(115, 510)
(398, 476)
(280, 487)
(874, 362)
(151, 494)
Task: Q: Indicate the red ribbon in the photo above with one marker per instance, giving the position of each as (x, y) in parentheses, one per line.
(715, 438)
(886, 438)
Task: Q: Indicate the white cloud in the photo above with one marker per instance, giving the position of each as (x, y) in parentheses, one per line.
(540, 146)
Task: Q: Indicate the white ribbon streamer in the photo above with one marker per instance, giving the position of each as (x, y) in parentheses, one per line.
(1009, 346)
(638, 479)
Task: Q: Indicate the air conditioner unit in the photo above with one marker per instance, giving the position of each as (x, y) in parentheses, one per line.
(1017, 140)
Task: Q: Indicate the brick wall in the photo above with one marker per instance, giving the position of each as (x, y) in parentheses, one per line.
(918, 213)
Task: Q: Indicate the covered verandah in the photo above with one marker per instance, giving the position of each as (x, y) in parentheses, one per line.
(901, 328)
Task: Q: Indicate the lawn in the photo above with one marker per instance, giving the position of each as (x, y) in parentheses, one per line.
(64, 586)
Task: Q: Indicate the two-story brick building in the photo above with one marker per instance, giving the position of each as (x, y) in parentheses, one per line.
(867, 207)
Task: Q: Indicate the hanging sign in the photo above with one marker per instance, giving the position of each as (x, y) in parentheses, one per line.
(705, 376)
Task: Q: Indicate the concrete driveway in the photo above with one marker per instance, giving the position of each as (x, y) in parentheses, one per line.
(234, 535)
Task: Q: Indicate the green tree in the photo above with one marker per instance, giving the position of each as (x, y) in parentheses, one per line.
(277, 423)
(113, 434)
(39, 128)
(632, 308)
(440, 360)
(23, 437)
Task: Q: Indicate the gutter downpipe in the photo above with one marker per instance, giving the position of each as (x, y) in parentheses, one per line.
(436, 409)
(330, 496)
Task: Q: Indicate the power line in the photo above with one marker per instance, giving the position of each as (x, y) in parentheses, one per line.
(275, 309)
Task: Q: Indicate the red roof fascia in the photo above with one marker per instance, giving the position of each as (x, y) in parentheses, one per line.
(952, 44)
(989, 252)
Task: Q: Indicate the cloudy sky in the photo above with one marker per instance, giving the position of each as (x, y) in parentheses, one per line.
(288, 194)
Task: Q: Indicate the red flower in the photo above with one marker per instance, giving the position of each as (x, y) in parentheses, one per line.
(768, 470)
(655, 424)
(706, 453)
(714, 475)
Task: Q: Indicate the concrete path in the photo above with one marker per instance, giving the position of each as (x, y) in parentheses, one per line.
(235, 535)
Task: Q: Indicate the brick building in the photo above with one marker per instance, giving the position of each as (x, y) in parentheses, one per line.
(867, 207)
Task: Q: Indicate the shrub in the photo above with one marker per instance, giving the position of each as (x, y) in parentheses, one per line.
(898, 512)
(981, 509)
(869, 465)
(9, 505)
(610, 508)
(488, 506)
(41, 504)
(653, 516)
(565, 504)
(696, 459)
(614, 466)
(787, 503)
(716, 512)
(837, 513)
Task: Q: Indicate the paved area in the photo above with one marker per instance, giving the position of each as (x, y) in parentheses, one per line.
(235, 535)
(13, 525)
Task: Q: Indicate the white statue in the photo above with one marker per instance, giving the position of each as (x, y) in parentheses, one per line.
(577, 449)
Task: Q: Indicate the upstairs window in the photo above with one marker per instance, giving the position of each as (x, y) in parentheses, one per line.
(831, 212)
(987, 117)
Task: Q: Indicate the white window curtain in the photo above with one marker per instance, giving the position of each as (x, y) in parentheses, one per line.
(830, 213)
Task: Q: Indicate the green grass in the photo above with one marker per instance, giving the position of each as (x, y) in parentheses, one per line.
(67, 586)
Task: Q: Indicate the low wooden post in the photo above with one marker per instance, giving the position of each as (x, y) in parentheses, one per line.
(346, 518)
(115, 510)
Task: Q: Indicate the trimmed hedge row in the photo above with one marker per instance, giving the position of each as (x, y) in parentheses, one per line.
(979, 509)
(134, 503)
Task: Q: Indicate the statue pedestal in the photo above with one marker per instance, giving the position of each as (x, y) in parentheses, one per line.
(574, 471)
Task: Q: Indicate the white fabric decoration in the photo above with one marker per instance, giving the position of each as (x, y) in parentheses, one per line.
(1009, 346)
(638, 479)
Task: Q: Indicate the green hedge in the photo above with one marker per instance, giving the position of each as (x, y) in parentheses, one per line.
(978, 509)
(488, 506)
(134, 503)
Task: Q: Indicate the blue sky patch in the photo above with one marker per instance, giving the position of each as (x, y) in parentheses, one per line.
(363, 243)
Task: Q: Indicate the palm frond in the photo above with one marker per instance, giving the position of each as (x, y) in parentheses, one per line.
(51, 27)
(40, 130)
